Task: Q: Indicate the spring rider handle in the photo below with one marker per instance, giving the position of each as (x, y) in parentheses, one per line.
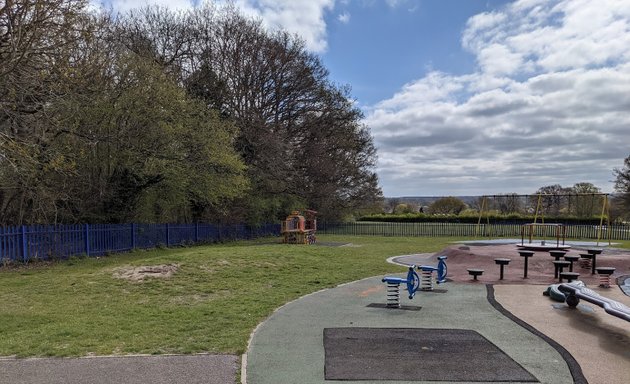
(413, 281)
(442, 270)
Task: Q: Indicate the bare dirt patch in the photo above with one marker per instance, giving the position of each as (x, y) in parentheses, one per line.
(137, 274)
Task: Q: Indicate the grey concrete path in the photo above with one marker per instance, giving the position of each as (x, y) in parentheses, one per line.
(288, 347)
(166, 369)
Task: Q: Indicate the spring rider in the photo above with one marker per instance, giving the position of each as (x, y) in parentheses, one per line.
(393, 287)
(414, 282)
(426, 282)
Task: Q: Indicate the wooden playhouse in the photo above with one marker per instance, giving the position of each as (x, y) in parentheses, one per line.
(299, 228)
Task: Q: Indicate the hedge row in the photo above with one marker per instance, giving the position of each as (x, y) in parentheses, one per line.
(495, 219)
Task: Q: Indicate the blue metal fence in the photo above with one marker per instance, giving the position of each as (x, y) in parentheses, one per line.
(45, 242)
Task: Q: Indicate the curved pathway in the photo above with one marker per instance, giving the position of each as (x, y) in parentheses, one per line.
(288, 347)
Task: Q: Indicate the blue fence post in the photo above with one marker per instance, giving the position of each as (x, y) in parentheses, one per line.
(133, 236)
(86, 237)
(24, 244)
(168, 236)
(196, 232)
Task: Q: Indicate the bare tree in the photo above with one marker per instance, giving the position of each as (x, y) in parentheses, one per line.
(299, 135)
(622, 185)
(508, 203)
(554, 199)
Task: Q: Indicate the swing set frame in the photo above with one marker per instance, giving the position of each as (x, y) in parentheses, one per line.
(560, 229)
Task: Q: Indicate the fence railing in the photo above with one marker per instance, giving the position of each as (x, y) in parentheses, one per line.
(593, 232)
(26, 243)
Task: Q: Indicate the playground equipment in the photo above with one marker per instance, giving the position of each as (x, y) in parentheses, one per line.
(528, 230)
(555, 294)
(393, 287)
(298, 228)
(575, 292)
(578, 204)
(414, 282)
(427, 277)
(604, 276)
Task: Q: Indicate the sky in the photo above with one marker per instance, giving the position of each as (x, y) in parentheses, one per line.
(473, 97)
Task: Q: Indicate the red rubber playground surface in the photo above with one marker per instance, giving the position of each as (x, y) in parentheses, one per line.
(540, 267)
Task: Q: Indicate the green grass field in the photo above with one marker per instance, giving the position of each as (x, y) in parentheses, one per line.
(212, 304)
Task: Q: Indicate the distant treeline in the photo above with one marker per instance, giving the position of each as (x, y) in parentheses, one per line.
(493, 219)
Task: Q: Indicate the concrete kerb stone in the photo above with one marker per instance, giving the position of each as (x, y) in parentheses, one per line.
(407, 260)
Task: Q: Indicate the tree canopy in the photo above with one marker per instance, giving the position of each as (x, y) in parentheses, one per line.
(447, 206)
(164, 116)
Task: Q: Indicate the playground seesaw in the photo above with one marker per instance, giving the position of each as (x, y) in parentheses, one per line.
(576, 292)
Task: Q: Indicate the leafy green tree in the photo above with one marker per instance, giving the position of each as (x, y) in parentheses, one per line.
(99, 132)
(149, 152)
(587, 202)
(405, 208)
(447, 206)
(162, 116)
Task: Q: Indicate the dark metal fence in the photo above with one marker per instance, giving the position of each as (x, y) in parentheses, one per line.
(613, 232)
(25, 243)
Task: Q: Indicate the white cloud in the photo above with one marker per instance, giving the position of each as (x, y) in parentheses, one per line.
(548, 104)
(305, 18)
(394, 3)
(344, 18)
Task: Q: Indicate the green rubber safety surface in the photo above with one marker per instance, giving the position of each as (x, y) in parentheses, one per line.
(417, 354)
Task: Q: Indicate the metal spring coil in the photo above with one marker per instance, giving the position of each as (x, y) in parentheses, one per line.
(426, 280)
(393, 295)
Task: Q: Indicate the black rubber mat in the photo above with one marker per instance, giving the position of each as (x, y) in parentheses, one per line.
(416, 354)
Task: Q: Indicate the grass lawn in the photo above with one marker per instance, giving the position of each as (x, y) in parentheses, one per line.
(212, 304)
